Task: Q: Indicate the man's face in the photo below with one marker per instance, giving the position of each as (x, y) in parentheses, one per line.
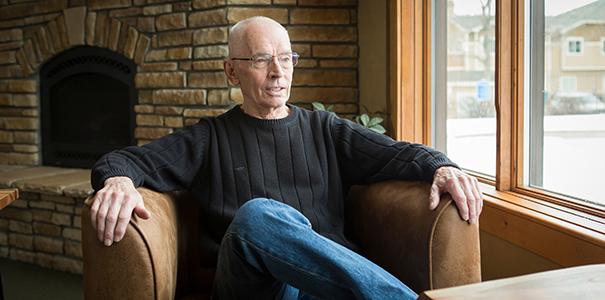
(263, 88)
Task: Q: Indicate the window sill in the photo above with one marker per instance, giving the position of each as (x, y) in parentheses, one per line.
(560, 234)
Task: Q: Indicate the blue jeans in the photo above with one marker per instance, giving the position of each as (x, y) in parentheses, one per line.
(270, 252)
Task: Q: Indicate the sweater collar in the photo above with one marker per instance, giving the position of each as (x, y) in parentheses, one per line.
(239, 113)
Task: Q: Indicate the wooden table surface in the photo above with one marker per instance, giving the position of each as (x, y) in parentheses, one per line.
(583, 282)
(7, 196)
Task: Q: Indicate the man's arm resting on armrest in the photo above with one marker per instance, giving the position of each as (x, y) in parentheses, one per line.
(112, 208)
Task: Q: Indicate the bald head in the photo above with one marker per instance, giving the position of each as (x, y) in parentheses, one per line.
(245, 31)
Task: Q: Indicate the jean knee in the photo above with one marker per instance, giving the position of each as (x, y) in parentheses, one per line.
(251, 214)
(263, 212)
(254, 209)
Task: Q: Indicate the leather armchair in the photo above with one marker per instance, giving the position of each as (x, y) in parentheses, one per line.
(159, 258)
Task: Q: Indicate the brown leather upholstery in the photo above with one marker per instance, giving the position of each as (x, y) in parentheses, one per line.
(390, 221)
(425, 249)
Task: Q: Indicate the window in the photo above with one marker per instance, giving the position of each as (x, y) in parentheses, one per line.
(464, 85)
(566, 138)
(567, 84)
(508, 106)
(574, 46)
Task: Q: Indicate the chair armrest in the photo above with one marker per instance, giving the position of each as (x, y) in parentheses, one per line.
(425, 249)
(141, 266)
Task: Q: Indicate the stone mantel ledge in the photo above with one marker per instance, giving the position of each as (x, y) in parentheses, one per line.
(47, 180)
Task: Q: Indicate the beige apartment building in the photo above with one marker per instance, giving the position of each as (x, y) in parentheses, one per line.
(574, 62)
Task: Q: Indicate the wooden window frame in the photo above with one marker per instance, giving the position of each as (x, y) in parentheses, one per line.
(508, 203)
(409, 63)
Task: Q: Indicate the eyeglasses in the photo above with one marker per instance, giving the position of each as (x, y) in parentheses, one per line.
(262, 61)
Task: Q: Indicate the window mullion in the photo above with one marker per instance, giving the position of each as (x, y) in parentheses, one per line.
(409, 95)
(536, 119)
(439, 71)
(505, 40)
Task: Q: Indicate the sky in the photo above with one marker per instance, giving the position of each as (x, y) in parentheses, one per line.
(552, 7)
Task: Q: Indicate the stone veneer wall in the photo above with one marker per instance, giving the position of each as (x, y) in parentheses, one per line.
(178, 47)
(43, 229)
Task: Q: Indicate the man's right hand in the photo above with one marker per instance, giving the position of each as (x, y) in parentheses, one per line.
(112, 209)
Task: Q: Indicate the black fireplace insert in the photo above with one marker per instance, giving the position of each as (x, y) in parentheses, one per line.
(87, 106)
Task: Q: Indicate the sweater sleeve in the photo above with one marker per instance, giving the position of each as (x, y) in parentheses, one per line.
(166, 164)
(366, 156)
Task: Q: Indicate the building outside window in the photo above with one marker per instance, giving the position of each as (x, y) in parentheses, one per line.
(567, 84)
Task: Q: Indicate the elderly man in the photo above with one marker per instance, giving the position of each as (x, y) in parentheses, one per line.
(272, 179)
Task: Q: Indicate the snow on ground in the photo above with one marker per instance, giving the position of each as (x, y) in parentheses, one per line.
(574, 152)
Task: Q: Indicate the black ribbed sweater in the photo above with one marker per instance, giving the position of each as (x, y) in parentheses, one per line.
(307, 160)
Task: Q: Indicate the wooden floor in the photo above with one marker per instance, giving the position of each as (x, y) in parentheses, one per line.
(22, 281)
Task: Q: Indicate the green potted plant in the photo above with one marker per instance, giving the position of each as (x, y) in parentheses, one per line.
(365, 120)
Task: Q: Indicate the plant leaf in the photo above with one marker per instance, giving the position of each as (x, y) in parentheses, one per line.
(330, 108)
(375, 121)
(318, 106)
(378, 128)
(365, 119)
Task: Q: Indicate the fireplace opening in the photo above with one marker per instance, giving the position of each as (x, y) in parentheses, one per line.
(87, 106)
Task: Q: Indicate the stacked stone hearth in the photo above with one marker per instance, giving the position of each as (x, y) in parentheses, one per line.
(178, 47)
(43, 225)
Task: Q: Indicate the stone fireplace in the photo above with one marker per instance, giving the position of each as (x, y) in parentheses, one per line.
(87, 97)
(79, 78)
(73, 63)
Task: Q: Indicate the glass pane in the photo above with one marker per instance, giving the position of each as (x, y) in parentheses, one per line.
(467, 87)
(567, 98)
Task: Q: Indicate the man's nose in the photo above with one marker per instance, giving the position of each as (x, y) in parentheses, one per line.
(275, 68)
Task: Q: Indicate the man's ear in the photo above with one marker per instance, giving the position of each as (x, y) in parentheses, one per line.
(230, 72)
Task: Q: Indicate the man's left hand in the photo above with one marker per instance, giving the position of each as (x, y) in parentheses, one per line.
(463, 188)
